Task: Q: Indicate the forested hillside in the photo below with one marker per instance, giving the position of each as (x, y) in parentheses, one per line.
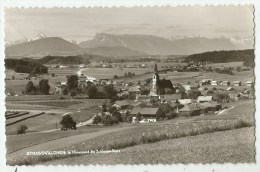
(25, 66)
(247, 56)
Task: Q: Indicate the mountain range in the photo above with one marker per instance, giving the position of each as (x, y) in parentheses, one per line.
(109, 45)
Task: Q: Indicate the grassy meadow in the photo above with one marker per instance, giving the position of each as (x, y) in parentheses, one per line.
(80, 109)
(231, 146)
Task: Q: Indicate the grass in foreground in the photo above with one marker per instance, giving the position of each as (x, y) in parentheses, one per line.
(143, 135)
(17, 142)
(234, 146)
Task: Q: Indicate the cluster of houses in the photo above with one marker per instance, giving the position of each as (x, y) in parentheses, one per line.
(225, 83)
(164, 100)
(175, 106)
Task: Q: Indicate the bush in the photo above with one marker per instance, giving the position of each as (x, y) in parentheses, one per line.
(67, 122)
(22, 129)
(107, 120)
(64, 91)
(73, 93)
(97, 119)
(30, 88)
(44, 86)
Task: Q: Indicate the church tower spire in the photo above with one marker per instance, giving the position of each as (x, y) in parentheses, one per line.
(155, 79)
(155, 68)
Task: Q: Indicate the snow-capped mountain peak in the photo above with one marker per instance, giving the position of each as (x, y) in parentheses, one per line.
(39, 36)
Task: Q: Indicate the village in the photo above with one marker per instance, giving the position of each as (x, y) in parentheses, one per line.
(159, 99)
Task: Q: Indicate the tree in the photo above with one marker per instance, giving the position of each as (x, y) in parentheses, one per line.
(138, 116)
(22, 129)
(210, 92)
(238, 69)
(115, 76)
(92, 91)
(107, 119)
(109, 91)
(104, 106)
(67, 122)
(72, 82)
(145, 91)
(169, 115)
(194, 94)
(64, 91)
(44, 86)
(112, 109)
(129, 119)
(115, 120)
(53, 75)
(73, 93)
(30, 88)
(148, 81)
(118, 116)
(97, 119)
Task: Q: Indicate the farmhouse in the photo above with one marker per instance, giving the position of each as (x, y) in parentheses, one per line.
(170, 97)
(134, 91)
(250, 83)
(237, 83)
(206, 81)
(230, 89)
(185, 101)
(148, 113)
(190, 110)
(202, 99)
(233, 96)
(121, 104)
(63, 84)
(214, 82)
(211, 106)
(225, 83)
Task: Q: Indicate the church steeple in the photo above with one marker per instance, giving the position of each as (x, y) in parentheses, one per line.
(155, 68)
(155, 79)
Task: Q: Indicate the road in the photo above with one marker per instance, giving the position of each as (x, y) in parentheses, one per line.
(59, 143)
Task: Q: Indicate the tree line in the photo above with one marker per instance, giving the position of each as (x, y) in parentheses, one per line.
(246, 56)
(25, 66)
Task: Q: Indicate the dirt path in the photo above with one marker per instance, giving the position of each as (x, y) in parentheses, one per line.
(58, 143)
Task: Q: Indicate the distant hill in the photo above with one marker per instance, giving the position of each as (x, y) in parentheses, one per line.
(247, 56)
(154, 45)
(79, 59)
(115, 52)
(43, 47)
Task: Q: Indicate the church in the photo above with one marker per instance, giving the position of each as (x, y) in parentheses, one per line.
(160, 86)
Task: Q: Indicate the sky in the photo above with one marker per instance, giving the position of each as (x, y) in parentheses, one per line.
(81, 24)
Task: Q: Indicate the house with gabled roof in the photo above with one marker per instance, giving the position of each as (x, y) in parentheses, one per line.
(237, 83)
(121, 104)
(185, 101)
(226, 83)
(147, 112)
(190, 110)
(249, 83)
(202, 99)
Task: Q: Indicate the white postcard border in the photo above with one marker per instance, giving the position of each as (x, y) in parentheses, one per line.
(129, 3)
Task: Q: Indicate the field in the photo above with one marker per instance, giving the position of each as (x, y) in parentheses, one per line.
(173, 131)
(221, 147)
(230, 64)
(80, 109)
(106, 73)
(15, 142)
